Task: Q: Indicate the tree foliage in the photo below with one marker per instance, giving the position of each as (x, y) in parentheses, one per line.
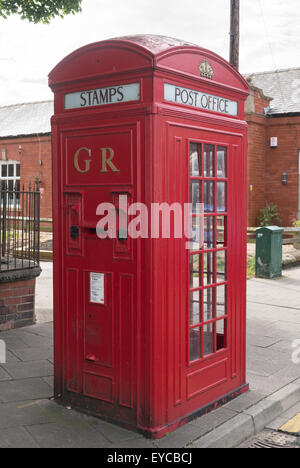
(39, 11)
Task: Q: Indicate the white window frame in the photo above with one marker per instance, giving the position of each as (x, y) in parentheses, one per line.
(8, 178)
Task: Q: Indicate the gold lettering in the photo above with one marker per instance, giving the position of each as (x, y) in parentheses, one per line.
(107, 157)
(87, 162)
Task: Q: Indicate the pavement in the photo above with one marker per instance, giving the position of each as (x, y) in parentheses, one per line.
(28, 417)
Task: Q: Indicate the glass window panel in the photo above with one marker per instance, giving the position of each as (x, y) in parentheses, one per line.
(221, 334)
(195, 271)
(11, 170)
(221, 200)
(208, 339)
(195, 160)
(195, 344)
(221, 266)
(18, 170)
(17, 187)
(196, 235)
(222, 162)
(221, 301)
(208, 268)
(209, 196)
(195, 307)
(11, 190)
(221, 230)
(4, 170)
(209, 161)
(196, 196)
(209, 232)
(208, 304)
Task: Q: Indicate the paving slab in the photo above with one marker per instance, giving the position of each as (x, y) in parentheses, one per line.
(27, 389)
(114, 434)
(34, 354)
(4, 375)
(230, 434)
(21, 414)
(26, 370)
(60, 436)
(17, 437)
(34, 340)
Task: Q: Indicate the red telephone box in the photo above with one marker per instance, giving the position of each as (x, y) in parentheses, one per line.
(148, 333)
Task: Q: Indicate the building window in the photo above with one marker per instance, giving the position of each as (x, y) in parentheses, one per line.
(10, 181)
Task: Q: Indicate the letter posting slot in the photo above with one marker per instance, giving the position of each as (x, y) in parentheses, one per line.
(149, 333)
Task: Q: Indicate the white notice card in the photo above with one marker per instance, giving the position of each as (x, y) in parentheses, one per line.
(97, 295)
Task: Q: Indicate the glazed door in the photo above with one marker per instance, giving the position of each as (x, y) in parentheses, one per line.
(213, 318)
(208, 256)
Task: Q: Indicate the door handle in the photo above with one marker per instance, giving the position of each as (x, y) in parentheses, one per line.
(91, 358)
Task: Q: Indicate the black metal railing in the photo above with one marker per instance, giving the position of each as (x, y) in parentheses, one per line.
(19, 226)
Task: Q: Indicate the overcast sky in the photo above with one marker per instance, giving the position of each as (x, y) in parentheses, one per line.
(270, 36)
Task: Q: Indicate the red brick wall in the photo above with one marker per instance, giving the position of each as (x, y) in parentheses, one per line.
(266, 164)
(257, 136)
(284, 158)
(34, 149)
(17, 304)
(260, 103)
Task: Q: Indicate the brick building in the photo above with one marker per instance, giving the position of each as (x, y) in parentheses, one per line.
(25, 148)
(272, 111)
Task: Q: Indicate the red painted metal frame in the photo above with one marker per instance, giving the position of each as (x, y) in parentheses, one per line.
(147, 382)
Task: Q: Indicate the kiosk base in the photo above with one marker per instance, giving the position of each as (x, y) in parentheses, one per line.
(87, 405)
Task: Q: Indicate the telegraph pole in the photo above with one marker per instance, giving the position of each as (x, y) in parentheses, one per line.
(234, 32)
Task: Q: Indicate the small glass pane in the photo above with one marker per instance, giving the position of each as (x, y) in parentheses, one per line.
(11, 171)
(209, 188)
(195, 160)
(222, 163)
(195, 344)
(208, 304)
(221, 266)
(209, 161)
(196, 235)
(195, 307)
(208, 339)
(10, 191)
(196, 196)
(18, 170)
(221, 200)
(4, 170)
(208, 268)
(209, 232)
(221, 301)
(195, 271)
(221, 334)
(17, 188)
(221, 230)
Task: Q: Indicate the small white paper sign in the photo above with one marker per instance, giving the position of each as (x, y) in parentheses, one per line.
(97, 292)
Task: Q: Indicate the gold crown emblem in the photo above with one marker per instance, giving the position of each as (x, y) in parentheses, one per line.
(206, 70)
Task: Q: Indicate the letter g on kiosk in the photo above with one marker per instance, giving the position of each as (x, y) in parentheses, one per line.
(149, 334)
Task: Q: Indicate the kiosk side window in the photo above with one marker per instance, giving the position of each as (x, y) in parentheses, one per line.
(208, 257)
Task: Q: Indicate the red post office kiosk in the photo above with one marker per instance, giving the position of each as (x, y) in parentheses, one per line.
(149, 333)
